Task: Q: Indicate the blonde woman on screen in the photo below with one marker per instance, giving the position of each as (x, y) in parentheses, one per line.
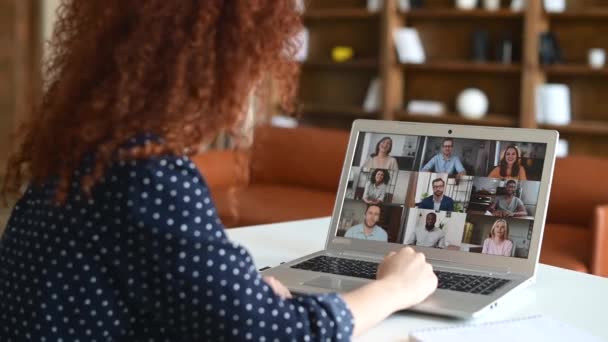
(498, 243)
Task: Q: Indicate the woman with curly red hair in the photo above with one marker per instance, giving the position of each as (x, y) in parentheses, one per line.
(115, 236)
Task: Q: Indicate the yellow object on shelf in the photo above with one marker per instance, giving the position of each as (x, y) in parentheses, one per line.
(342, 53)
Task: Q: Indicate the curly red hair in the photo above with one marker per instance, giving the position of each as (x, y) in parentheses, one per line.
(182, 70)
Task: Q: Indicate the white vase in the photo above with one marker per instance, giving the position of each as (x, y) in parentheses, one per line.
(472, 103)
(466, 4)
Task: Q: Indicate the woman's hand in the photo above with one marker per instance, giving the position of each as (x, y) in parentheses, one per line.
(404, 279)
(277, 287)
(409, 276)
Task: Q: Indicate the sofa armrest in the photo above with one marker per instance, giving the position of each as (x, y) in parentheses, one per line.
(223, 169)
(599, 256)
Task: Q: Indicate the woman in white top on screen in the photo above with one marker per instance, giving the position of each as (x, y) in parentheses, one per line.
(375, 189)
(380, 159)
(498, 243)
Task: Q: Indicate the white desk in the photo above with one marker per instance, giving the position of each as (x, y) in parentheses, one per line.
(578, 299)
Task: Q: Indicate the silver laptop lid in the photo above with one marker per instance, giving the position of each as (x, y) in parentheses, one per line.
(441, 189)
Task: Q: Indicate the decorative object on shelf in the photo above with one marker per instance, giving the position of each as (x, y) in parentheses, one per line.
(301, 40)
(409, 47)
(342, 53)
(561, 149)
(518, 5)
(300, 6)
(472, 103)
(373, 98)
(553, 104)
(466, 4)
(554, 6)
(596, 58)
(416, 3)
(491, 5)
(549, 50)
(480, 46)
(374, 5)
(424, 107)
(505, 50)
(404, 5)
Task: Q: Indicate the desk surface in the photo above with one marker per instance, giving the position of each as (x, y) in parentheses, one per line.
(578, 299)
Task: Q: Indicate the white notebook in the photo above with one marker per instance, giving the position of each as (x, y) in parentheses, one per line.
(536, 328)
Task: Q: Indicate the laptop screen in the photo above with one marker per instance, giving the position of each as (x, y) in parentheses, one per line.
(461, 195)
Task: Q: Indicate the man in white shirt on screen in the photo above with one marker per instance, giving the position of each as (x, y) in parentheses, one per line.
(429, 235)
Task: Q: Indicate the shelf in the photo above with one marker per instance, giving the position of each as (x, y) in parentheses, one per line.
(465, 66)
(320, 109)
(597, 13)
(362, 63)
(580, 127)
(454, 118)
(574, 70)
(344, 13)
(461, 14)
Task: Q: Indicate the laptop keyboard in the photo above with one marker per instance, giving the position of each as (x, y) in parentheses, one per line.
(365, 269)
(341, 266)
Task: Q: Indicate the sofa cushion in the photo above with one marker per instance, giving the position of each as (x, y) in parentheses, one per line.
(566, 246)
(303, 156)
(579, 185)
(262, 203)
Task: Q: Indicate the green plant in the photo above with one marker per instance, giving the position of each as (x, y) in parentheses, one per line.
(458, 207)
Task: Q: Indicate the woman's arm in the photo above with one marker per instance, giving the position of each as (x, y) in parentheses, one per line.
(522, 173)
(365, 196)
(509, 251)
(495, 173)
(404, 279)
(486, 245)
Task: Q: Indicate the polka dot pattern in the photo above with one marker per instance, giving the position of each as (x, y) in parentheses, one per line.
(144, 258)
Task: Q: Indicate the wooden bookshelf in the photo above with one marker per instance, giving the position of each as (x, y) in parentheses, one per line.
(464, 66)
(586, 127)
(333, 93)
(454, 118)
(355, 64)
(449, 13)
(337, 13)
(581, 70)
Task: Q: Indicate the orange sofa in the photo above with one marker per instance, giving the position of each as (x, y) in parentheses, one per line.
(576, 234)
(288, 174)
(291, 174)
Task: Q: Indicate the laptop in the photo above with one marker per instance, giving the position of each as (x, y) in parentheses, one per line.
(472, 199)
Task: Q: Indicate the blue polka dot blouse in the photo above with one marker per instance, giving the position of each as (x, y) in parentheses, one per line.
(144, 258)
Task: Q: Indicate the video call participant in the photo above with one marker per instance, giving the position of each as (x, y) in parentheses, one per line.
(368, 230)
(445, 161)
(375, 189)
(508, 205)
(381, 159)
(429, 235)
(509, 167)
(498, 243)
(438, 201)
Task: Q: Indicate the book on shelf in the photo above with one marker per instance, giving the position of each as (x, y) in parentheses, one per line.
(408, 44)
(373, 97)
